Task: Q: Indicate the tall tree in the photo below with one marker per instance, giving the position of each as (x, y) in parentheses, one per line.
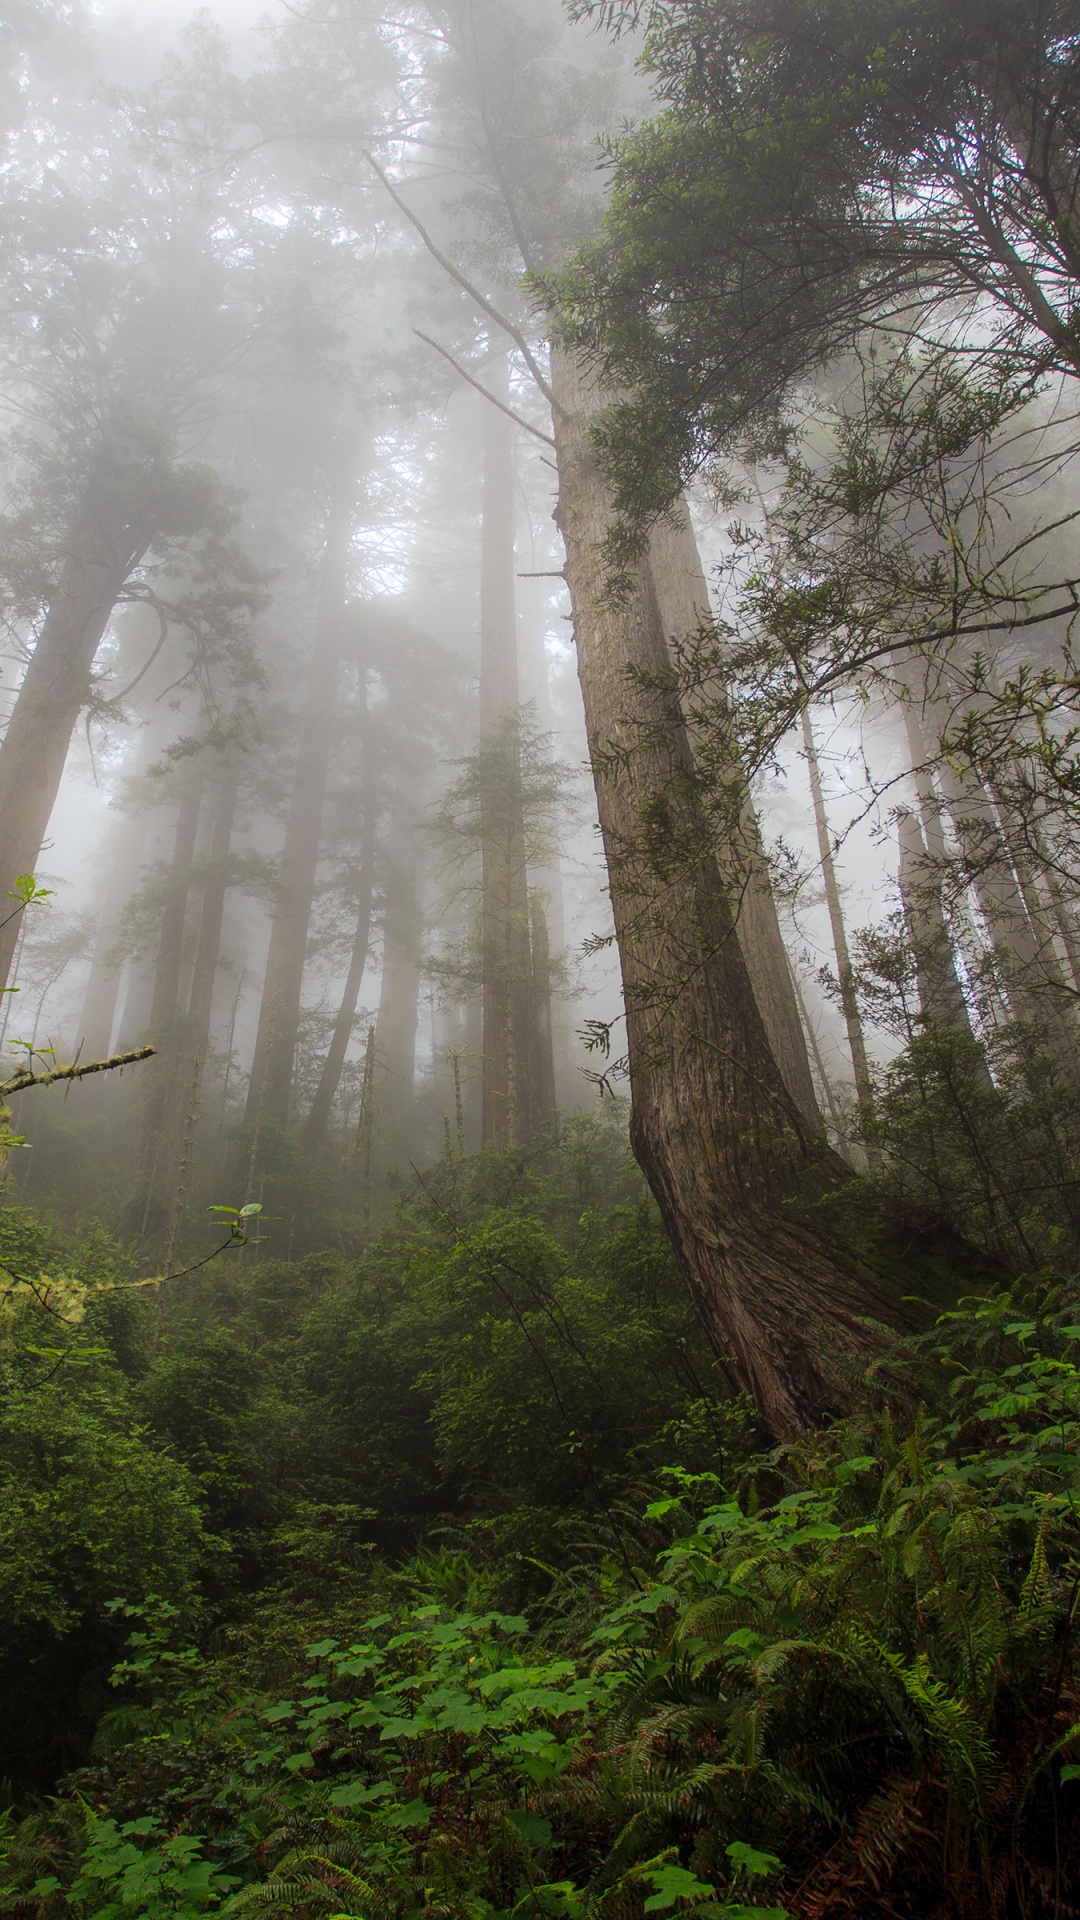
(723, 1145)
(506, 968)
(849, 1002)
(270, 1090)
(122, 299)
(330, 1077)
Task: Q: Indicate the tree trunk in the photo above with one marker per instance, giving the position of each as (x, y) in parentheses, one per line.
(279, 1014)
(395, 1033)
(864, 1093)
(208, 949)
(98, 1015)
(683, 599)
(330, 1077)
(940, 994)
(509, 1025)
(158, 1086)
(186, 1062)
(543, 1078)
(54, 690)
(722, 1143)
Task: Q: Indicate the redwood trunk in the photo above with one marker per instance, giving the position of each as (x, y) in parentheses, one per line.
(940, 994)
(159, 1083)
(860, 1066)
(330, 1077)
(185, 1064)
(55, 688)
(509, 1023)
(684, 606)
(279, 1014)
(98, 1015)
(722, 1143)
(395, 1034)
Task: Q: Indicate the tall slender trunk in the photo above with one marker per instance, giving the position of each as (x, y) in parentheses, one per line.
(543, 1076)
(279, 1015)
(330, 1077)
(398, 1017)
(685, 608)
(54, 690)
(208, 948)
(186, 1064)
(824, 1078)
(158, 1085)
(860, 1067)
(723, 1145)
(546, 879)
(509, 1035)
(940, 994)
(98, 1015)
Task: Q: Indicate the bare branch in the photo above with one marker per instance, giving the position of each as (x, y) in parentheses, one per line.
(467, 286)
(501, 404)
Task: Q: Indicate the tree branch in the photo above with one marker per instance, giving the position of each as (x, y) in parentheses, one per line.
(501, 404)
(73, 1071)
(467, 286)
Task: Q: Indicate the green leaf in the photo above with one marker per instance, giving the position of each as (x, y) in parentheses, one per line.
(672, 1884)
(748, 1860)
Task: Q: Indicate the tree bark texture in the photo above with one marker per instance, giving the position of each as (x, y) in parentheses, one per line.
(279, 1013)
(722, 1143)
(54, 690)
(683, 598)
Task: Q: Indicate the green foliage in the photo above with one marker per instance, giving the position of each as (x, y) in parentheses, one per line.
(848, 1678)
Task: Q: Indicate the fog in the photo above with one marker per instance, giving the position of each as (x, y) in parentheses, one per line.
(325, 835)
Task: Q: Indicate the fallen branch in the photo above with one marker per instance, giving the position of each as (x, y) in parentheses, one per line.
(73, 1071)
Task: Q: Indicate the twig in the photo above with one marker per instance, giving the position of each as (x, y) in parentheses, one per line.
(501, 404)
(73, 1071)
(467, 285)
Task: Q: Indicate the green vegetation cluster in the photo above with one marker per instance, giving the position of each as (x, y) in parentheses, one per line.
(454, 1581)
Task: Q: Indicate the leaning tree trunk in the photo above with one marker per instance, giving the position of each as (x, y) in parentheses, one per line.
(55, 688)
(330, 1077)
(723, 1145)
(279, 1014)
(683, 599)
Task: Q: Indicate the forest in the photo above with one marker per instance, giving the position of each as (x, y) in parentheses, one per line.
(540, 960)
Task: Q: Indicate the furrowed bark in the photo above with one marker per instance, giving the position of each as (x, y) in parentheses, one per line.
(722, 1142)
(683, 599)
